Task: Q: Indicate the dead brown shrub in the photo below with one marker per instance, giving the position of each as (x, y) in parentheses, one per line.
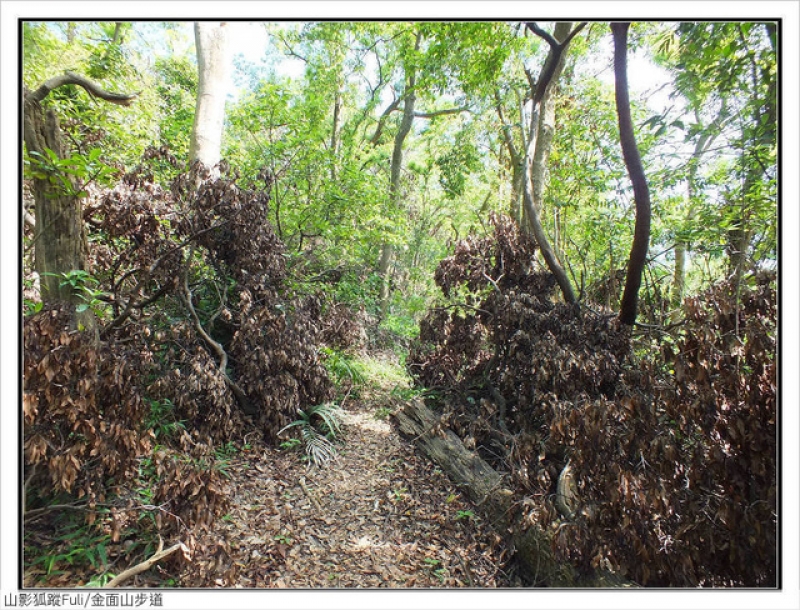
(675, 474)
(82, 406)
(88, 396)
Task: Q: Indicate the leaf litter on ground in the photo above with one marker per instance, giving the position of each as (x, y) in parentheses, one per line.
(377, 516)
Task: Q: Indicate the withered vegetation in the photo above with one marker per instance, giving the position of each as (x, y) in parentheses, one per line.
(672, 457)
(201, 344)
(197, 345)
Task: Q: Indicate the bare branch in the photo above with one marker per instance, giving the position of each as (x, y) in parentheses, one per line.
(131, 306)
(534, 27)
(38, 512)
(289, 49)
(382, 120)
(553, 58)
(187, 299)
(145, 301)
(494, 282)
(435, 113)
(186, 295)
(70, 78)
(145, 565)
(572, 34)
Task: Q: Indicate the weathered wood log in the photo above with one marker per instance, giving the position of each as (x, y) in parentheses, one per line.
(485, 487)
(479, 481)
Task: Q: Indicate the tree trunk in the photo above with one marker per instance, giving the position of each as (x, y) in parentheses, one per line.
(641, 193)
(739, 236)
(60, 244)
(538, 149)
(679, 275)
(516, 161)
(740, 233)
(679, 278)
(681, 246)
(558, 246)
(387, 251)
(336, 129)
(550, 258)
(211, 39)
(517, 176)
(485, 488)
(60, 241)
(118, 33)
(547, 123)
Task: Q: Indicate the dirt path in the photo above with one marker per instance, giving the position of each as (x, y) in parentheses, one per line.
(378, 516)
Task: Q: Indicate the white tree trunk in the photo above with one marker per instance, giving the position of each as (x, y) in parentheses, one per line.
(211, 39)
(540, 138)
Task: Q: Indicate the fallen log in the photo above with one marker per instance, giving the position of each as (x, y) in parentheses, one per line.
(486, 488)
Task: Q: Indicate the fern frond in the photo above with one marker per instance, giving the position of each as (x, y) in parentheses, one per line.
(318, 448)
(331, 416)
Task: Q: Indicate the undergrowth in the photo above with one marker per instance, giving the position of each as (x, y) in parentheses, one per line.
(672, 452)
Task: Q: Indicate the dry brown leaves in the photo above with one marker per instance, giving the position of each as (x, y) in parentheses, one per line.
(86, 402)
(342, 327)
(378, 516)
(82, 407)
(277, 361)
(216, 234)
(676, 474)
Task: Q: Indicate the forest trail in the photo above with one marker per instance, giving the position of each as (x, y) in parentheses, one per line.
(377, 516)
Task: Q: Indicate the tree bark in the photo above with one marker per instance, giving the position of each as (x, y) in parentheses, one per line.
(486, 488)
(633, 162)
(516, 160)
(517, 176)
(539, 142)
(547, 121)
(738, 236)
(70, 78)
(211, 39)
(763, 118)
(60, 243)
(678, 279)
(387, 250)
(336, 129)
(118, 35)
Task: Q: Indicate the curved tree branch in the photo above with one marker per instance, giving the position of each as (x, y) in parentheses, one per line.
(538, 140)
(145, 565)
(534, 27)
(58, 210)
(553, 58)
(409, 99)
(382, 120)
(241, 397)
(70, 78)
(641, 193)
